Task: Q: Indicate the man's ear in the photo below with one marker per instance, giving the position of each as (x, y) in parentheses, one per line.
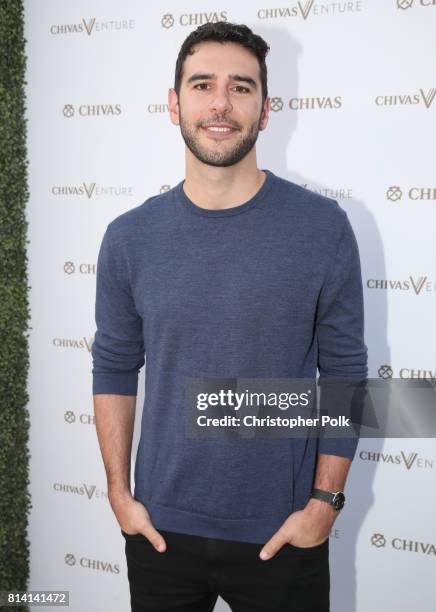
(173, 106)
(265, 113)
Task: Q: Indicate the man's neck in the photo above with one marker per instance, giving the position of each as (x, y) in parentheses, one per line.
(219, 188)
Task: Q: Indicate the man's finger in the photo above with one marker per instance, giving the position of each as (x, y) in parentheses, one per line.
(273, 545)
(155, 538)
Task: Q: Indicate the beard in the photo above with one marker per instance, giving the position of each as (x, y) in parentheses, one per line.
(242, 142)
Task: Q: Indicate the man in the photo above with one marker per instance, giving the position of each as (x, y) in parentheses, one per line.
(235, 272)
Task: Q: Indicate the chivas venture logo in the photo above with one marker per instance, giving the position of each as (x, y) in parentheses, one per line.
(91, 25)
(81, 343)
(419, 285)
(90, 190)
(412, 460)
(90, 492)
(339, 193)
(421, 97)
(310, 8)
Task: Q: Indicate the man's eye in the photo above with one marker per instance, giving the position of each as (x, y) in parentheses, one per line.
(203, 86)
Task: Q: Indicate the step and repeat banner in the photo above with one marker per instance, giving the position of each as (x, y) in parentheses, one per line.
(353, 89)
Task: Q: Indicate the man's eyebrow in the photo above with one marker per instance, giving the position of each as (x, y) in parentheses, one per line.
(201, 76)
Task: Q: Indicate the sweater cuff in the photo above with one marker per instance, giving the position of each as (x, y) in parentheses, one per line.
(115, 383)
(345, 447)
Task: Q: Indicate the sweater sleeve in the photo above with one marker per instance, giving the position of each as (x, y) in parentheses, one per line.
(118, 348)
(340, 327)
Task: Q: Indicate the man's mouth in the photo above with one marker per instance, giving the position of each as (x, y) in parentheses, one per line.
(219, 130)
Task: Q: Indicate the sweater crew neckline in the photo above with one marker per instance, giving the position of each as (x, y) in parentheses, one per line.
(226, 212)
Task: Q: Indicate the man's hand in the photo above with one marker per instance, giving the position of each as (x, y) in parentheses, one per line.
(133, 518)
(304, 528)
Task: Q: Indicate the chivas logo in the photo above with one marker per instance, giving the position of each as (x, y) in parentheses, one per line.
(308, 8)
(91, 110)
(192, 19)
(378, 540)
(395, 193)
(416, 285)
(73, 343)
(407, 461)
(406, 4)
(91, 25)
(423, 97)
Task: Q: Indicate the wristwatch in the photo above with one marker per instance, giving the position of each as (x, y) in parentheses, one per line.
(336, 500)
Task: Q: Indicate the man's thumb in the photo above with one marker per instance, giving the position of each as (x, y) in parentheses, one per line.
(155, 538)
(272, 546)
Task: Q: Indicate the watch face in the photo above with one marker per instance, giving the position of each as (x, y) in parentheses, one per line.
(338, 501)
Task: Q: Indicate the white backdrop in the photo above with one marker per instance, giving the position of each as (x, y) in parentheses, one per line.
(353, 87)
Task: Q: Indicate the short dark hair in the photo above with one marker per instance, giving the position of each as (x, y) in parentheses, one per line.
(223, 31)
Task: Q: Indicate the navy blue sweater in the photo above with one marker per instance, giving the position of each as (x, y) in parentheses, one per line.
(269, 288)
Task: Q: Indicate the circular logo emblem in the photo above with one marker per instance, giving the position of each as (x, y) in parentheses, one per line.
(68, 111)
(378, 540)
(276, 104)
(394, 193)
(167, 21)
(404, 4)
(69, 416)
(69, 267)
(70, 559)
(385, 371)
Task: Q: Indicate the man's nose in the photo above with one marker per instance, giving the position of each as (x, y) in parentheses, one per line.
(221, 102)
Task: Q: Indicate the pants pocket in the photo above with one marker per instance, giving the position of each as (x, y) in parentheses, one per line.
(135, 536)
(306, 550)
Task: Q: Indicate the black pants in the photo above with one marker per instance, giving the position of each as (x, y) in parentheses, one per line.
(194, 570)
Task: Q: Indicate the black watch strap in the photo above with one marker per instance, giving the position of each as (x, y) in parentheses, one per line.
(336, 500)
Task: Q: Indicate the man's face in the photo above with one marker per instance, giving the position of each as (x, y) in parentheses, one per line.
(220, 109)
